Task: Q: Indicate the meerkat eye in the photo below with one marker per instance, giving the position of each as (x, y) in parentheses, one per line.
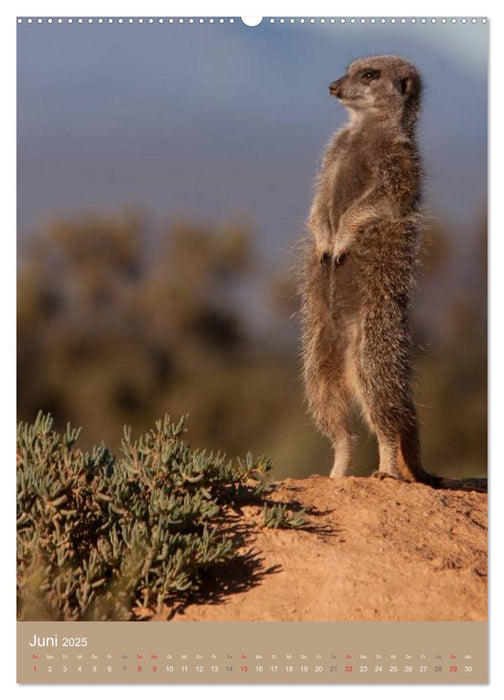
(370, 74)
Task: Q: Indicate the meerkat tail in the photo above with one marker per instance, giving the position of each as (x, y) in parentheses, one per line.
(409, 459)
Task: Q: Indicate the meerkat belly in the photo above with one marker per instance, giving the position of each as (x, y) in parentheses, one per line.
(351, 177)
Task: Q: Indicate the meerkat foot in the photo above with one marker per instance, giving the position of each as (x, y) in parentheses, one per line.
(342, 463)
(386, 475)
(338, 473)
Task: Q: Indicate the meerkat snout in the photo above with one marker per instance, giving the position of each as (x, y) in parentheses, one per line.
(335, 87)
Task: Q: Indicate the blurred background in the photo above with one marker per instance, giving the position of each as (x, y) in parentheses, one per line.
(164, 176)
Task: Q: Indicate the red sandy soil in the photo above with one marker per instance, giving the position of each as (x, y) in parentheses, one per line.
(373, 550)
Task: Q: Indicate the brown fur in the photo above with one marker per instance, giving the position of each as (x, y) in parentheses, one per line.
(358, 273)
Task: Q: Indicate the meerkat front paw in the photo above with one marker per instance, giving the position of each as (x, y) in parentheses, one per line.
(339, 257)
(343, 243)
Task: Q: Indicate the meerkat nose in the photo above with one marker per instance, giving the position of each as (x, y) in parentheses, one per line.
(335, 87)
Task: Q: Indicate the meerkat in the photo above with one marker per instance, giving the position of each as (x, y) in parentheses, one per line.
(358, 276)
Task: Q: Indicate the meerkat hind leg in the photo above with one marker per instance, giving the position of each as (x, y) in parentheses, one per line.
(343, 452)
(390, 457)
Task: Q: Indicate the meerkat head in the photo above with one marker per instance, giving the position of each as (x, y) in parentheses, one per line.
(387, 84)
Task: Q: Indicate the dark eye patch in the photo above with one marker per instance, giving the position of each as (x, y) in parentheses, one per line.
(369, 74)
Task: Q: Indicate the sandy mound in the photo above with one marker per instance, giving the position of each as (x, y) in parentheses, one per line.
(374, 550)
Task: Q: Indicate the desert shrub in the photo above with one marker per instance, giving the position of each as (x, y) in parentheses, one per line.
(279, 516)
(101, 537)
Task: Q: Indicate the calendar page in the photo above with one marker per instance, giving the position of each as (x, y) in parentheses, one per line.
(252, 349)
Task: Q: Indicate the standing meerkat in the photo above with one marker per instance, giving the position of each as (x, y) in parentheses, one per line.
(359, 271)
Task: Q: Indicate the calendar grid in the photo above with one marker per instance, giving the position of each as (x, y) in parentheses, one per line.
(311, 652)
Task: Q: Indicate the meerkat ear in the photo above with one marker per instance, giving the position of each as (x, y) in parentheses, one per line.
(409, 86)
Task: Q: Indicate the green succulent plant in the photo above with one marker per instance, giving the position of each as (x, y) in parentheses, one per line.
(100, 537)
